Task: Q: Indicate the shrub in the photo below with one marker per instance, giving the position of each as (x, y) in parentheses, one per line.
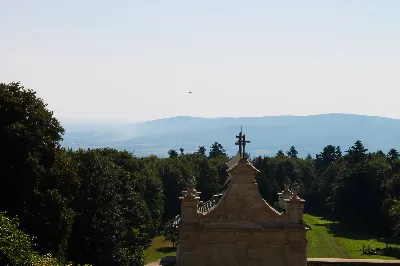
(171, 232)
(16, 248)
(15, 245)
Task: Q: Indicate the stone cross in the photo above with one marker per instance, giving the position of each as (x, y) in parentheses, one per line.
(240, 141)
(244, 141)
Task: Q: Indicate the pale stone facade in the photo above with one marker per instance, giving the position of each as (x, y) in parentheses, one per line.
(241, 229)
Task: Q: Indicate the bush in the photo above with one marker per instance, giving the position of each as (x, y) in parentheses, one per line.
(15, 245)
(171, 232)
(16, 248)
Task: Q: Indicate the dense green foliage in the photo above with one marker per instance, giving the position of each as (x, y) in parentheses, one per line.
(16, 247)
(360, 189)
(103, 206)
(29, 137)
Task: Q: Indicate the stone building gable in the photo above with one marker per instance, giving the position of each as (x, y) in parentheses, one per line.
(242, 205)
(241, 229)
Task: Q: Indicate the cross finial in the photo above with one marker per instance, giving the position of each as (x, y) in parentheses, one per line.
(244, 144)
(240, 141)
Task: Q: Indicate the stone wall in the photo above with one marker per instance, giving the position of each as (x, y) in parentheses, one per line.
(352, 262)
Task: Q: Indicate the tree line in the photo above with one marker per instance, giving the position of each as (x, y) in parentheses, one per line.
(103, 206)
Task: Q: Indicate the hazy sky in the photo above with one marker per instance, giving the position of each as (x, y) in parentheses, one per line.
(138, 59)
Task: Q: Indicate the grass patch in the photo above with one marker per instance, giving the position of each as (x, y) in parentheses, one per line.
(158, 250)
(328, 239)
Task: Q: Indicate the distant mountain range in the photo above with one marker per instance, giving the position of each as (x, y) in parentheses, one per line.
(309, 134)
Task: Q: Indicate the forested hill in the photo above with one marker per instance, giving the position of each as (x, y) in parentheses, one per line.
(309, 134)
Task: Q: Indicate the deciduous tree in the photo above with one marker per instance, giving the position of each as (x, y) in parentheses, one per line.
(29, 137)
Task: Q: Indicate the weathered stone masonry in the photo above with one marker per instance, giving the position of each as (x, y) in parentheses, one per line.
(241, 229)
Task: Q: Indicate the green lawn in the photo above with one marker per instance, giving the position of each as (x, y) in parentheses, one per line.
(328, 240)
(325, 240)
(158, 250)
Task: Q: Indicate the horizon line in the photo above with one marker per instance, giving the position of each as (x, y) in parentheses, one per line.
(139, 121)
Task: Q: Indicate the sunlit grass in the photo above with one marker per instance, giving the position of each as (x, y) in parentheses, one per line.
(328, 240)
(158, 250)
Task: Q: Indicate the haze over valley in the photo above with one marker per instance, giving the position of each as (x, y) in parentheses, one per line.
(309, 134)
